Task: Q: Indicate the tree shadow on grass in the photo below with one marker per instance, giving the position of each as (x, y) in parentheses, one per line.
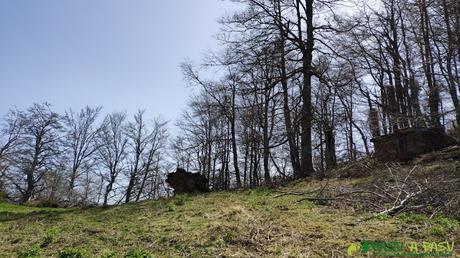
(6, 216)
(98, 213)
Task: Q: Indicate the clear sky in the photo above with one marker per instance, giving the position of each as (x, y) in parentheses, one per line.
(121, 54)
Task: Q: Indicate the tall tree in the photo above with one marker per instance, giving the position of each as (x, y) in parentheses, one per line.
(144, 143)
(81, 144)
(112, 153)
(38, 150)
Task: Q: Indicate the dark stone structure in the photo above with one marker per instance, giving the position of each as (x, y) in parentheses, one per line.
(406, 144)
(186, 182)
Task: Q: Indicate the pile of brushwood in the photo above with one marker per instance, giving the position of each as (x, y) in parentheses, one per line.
(428, 185)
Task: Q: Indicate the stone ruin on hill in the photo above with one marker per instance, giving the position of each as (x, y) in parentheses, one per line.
(406, 144)
(186, 182)
(406, 135)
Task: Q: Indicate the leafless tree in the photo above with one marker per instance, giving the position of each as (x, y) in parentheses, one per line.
(81, 132)
(113, 151)
(38, 149)
(145, 143)
(9, 139)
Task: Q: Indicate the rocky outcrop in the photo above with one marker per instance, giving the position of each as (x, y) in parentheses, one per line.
(186, 182)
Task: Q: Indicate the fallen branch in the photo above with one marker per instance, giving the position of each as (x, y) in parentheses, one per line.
(396, 208)
(296, 193)
(319, 199)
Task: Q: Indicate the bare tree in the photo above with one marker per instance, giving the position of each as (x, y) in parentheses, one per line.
(144, 144)
(9, 139)
(38, 149)
(81, 134)
(112, 153)
(151, 161)
(224, 94)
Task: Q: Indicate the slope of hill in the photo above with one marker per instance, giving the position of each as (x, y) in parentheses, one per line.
(243, 223)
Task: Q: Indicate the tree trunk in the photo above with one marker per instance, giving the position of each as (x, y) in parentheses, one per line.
(330, 156)
(234, 145)
(307, 114)
(433, 94)
(293, 150)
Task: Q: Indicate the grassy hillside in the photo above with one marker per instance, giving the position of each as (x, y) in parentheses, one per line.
(235, 223)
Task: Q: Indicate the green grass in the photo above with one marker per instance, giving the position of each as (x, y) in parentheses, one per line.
(6, 207)
(236, 223)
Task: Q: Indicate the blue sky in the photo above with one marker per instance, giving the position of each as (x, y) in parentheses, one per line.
(121, 54)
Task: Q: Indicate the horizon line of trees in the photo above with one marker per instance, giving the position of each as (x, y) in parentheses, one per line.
(81, 158)
(298, 87)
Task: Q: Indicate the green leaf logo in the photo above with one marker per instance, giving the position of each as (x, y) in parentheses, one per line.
(353, 248)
